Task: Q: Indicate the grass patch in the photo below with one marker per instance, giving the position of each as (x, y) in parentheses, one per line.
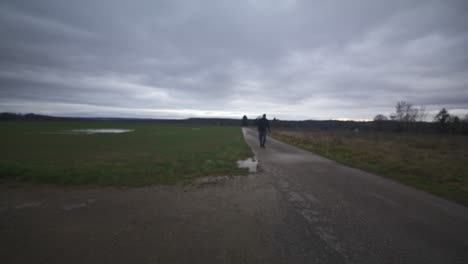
(39, 151)
(434, 163)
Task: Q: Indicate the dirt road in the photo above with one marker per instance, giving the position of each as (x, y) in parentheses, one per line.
(300, 208)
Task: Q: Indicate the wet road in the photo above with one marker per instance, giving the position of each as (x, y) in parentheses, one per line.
(299, 208)
(337, 214)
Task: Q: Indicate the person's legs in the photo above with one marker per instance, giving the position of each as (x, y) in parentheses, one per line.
(260, 137)
(264, 138)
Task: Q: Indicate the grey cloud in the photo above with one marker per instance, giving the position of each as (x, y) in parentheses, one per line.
(293, 59)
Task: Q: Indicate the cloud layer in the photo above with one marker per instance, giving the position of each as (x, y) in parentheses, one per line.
(177, 59)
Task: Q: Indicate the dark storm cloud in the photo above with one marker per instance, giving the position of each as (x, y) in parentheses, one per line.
(292, 59)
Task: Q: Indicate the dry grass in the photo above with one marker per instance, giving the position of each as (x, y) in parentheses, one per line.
(435, 163)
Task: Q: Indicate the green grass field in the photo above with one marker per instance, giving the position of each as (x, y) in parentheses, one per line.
(434, 163)
(39, 151)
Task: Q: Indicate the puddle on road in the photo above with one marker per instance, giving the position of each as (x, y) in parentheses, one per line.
(103, 130)
(250, 163)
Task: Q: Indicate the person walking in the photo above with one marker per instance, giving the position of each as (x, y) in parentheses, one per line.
(263, 125)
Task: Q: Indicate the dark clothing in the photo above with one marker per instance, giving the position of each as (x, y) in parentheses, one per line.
(263, 125)
(262, 136)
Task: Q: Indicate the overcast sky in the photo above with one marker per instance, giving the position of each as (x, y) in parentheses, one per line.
(177, 59)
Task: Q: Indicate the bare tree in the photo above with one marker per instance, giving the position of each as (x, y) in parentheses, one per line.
(405, 112)
(422, 113)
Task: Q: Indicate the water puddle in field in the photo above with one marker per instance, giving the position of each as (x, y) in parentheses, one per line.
(100, 131)
(250, 163)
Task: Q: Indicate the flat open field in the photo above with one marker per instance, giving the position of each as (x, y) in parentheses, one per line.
(50, 152)
(434, 163)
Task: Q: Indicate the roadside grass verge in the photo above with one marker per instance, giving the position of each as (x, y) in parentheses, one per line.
(44, 152)
(434, 163)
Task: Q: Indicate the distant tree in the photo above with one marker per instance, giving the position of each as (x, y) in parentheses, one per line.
(380, 117)
(422, 114)
(405, 112)
(442, 120)
(245, 121)
(10, 116)
(274, 121)
(455, 124)
(379, 122)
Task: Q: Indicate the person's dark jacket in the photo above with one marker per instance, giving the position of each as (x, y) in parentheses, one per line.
(263, 124)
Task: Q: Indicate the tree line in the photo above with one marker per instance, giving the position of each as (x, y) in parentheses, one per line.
(408, 117)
